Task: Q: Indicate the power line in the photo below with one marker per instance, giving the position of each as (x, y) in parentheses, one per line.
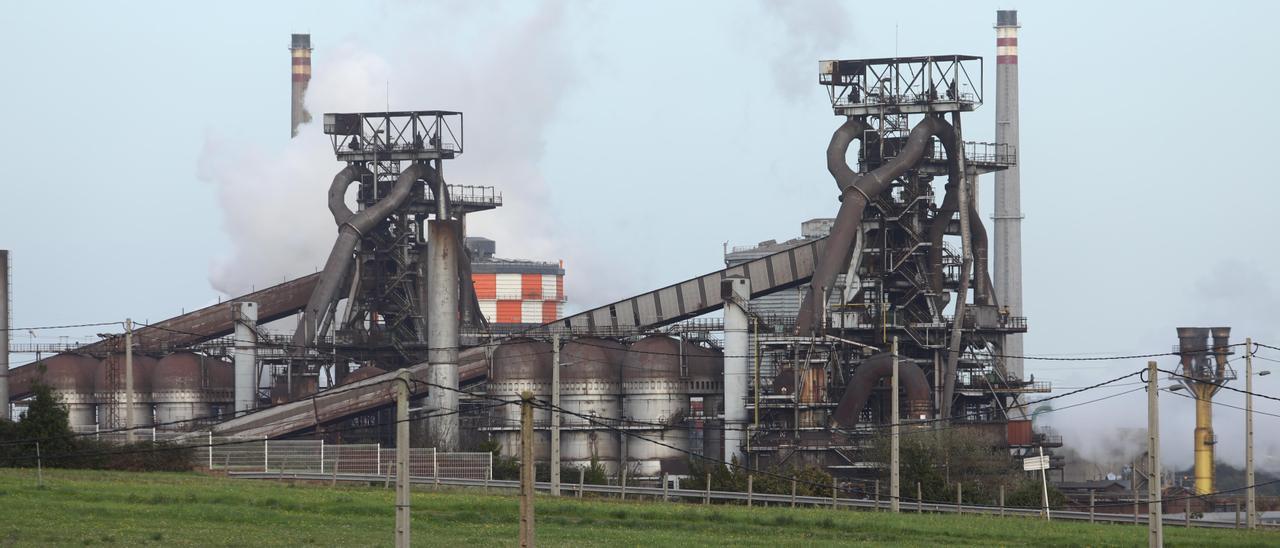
(67, 326)
(1220, 385)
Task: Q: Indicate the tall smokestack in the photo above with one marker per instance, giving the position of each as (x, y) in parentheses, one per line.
(1008, 193)
(300, 51)
(4, 334)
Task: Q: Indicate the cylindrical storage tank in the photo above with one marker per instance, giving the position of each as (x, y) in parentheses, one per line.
(518, 365)
(654, 392)
(70, 376)
(706, 379)
(142, 412)
(222, 388)
(591, 385)
(179, 384)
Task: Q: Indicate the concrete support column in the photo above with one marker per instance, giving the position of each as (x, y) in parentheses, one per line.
(735, 292)
(442, 332)
(245, 316)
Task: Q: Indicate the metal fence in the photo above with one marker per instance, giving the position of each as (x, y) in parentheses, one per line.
(239, 454)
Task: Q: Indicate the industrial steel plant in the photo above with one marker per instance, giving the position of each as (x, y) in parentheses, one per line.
(782, 358)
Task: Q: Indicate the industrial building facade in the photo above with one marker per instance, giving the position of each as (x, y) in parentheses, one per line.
(515, 292)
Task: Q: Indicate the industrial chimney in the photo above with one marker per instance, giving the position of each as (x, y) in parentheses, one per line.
(1008, 194)
(300, 51)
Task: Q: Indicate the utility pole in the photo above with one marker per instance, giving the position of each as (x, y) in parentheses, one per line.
(403, 518)
(128, 379)
(526, 469)
(555, 414)
(1250, 503)
(895, 443)
(1155, 514)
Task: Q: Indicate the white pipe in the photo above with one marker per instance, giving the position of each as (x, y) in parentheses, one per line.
(736, 292)
(245, 315)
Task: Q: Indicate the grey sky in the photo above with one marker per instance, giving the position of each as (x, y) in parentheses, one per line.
(633, 139)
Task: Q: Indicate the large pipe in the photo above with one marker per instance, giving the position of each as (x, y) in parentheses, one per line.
(864, 379)
(351, 226)
(735, 291)
(300, 53)
(246, 355)
(855, 197)
(4, 334)
(442, 332)
(1008, 193)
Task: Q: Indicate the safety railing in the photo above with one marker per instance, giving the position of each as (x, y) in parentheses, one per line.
(244, 455)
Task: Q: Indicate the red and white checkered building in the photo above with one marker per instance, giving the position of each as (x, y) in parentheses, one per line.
(514, 291)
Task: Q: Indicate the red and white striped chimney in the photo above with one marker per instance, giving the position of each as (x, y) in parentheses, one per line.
(300, 52)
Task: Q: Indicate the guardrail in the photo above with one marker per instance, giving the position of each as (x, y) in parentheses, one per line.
(706, 496)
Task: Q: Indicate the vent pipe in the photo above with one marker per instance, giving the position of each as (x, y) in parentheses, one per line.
(245, 316)
(736, 292)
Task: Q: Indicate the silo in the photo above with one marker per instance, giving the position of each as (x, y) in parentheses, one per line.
(654, 392)
(706, 379)
(591, 385)
(519, 365)
(142, 412)
(221, 391)
(180, 384)
(70, 376)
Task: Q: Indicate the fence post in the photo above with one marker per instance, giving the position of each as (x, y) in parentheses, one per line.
(337, 457)
(664, 487)
(582, 476)
(1090, 506)
(707, 500)
(435, 467)
(793, 491)
(153, 434)
(211, 450)
(266, 454)
(833, 492)
(488, 474)
(321, 456)
(959, 498)
(920, 499)
(1187, 514)
(378, 459)
(624, 481)
(877, 495)
(1237, 514)
(1002, 502)
(750, 489)
(39, 467)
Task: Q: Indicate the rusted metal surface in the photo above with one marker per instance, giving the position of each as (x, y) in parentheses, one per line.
(695, 296)
(864, 379)
(336, 404)
(195, 327)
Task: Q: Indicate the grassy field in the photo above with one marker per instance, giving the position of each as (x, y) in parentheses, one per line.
(108, 508)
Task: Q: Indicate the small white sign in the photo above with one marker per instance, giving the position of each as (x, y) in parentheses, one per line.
(1036, 463)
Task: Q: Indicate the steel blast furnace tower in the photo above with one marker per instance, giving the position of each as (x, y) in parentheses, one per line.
(399, 259)
(898, 263)
(1203, 370)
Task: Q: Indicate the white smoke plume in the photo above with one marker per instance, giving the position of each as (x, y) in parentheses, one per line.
(811, 31)
(509, 87)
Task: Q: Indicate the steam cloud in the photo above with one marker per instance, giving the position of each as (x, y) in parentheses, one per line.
(811, 30)
(273, 199)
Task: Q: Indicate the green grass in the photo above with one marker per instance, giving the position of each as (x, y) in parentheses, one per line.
(89, 508)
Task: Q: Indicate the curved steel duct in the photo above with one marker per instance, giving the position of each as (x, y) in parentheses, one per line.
(864, 378)
(855, 197)
(351, 226)
(837, 165)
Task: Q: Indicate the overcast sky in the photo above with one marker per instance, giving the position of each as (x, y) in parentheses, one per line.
(149, 168)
